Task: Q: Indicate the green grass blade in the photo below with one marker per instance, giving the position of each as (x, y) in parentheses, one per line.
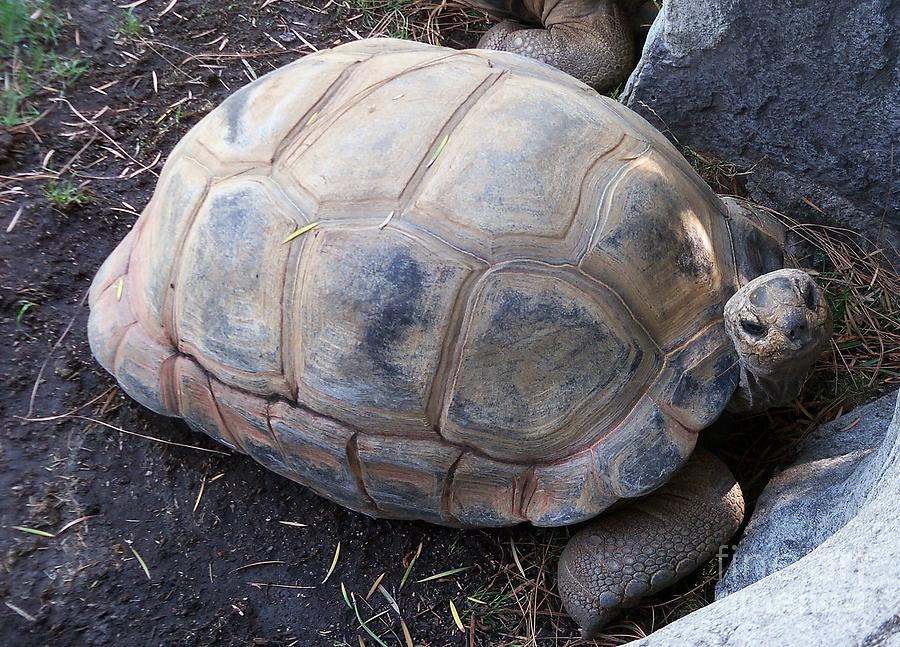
(34, 531)
(300, 232)
(410, 566)
(437, 576)
(364, 626)
(440, 149)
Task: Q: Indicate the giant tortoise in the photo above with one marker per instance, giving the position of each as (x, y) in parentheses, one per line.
(463, 287)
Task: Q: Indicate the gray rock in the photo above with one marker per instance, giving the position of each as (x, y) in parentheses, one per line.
(805, 92)
(804, 505)
(844, 491)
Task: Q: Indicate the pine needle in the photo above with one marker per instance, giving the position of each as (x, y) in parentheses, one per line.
(437, 576)
(375, 585)
(362, 623)
(300, 232)
(456, 617)
(334, 561)
(267, 562)
(440, 149)
(21, 612)
(385, 222)
(74, 522)
(389, 598)
(515, 555)
(199, 495)
(406, 635)
(265, 585)
(141, 561)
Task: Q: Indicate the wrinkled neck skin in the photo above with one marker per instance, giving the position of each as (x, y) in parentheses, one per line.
(759, 390)
(773, 373)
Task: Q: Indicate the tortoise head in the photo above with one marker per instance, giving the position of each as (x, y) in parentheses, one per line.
(779, 323)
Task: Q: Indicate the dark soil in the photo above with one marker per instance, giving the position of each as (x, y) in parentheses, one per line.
(136, 496)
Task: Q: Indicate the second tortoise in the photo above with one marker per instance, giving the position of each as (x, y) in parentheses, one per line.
(592, 40)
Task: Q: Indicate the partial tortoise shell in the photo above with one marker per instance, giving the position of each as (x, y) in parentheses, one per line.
(509, 307)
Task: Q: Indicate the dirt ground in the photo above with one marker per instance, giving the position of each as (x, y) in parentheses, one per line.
(170, 540)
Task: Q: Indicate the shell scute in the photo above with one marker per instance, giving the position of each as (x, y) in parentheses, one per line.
(229, 319)
(341, 158)
(496, 189)
(179, 194)
(318, 452)
(647, 448)
(548, 363)
(407, 477)
(237, 133)
(663, 247)
(372, 313)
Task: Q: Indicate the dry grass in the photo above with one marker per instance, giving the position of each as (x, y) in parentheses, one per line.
(863, 289)
(438, 23)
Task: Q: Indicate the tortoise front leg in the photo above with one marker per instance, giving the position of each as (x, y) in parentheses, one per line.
(589, 40)
(623, 556)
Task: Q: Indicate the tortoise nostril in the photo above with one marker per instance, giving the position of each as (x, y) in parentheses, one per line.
(810, 297)
(797, 331)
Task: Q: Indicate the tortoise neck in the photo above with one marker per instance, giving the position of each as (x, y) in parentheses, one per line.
(757, 240)
(759, 390)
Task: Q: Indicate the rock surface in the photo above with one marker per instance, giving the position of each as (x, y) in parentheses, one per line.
(807, 503)
(805, 92)
(844, 491)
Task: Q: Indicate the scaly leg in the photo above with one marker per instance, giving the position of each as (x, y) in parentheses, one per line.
(626, 555)
(590, 41)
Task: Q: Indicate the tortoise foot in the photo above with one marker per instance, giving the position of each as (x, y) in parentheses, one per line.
(622, 557)
(594, 44)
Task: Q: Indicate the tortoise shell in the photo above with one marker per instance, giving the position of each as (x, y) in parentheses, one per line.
(457, 286)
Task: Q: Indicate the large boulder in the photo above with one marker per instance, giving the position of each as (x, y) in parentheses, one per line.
(837, 472)
(820, 563)
(804, 92)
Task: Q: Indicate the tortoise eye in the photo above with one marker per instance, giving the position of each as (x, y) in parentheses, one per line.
(810, 298)
(753, 328)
